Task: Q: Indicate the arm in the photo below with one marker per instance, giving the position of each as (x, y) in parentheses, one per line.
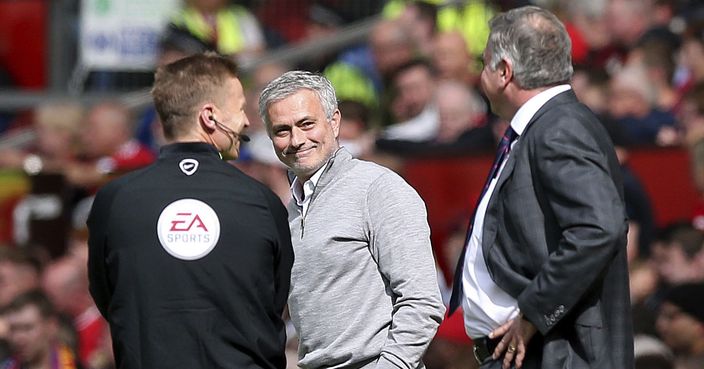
(400, 243)
(573, 176)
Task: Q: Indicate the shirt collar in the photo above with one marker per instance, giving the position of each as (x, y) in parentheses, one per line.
(302, 191)
(526, 112)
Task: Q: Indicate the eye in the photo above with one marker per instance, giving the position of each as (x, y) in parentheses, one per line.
(281, 132)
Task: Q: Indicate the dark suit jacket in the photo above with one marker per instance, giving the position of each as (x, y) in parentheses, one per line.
(555, 239)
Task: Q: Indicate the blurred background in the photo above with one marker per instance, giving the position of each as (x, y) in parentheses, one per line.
(75, 112)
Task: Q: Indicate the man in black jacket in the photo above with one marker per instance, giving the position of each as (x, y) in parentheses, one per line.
(190, 259)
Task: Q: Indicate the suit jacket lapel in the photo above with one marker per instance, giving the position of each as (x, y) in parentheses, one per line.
(490, 219)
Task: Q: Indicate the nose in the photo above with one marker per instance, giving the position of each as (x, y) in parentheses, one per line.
(298, 137)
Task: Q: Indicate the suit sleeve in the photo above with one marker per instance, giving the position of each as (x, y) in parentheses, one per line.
(284, 252)
(400, 243)
(573, 175)
(97, 243)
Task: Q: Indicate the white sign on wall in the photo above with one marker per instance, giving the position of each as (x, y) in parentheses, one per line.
(123, 34)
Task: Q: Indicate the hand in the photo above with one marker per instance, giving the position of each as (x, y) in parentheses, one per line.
(516, 335)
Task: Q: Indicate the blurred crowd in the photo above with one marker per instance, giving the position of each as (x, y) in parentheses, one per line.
(409, 90)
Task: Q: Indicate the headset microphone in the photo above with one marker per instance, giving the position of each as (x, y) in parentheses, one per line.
(229, 132)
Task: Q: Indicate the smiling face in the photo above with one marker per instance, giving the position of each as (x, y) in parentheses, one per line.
(303, 137)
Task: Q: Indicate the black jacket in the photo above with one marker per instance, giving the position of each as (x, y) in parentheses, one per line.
(177, 292)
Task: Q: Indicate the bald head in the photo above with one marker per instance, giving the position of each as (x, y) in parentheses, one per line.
(459, 108)
(451, 57)
(391, 45)
(108, 125)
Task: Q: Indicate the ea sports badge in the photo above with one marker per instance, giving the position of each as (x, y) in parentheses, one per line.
(188, 229)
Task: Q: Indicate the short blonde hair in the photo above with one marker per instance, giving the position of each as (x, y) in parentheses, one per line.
(180, 87)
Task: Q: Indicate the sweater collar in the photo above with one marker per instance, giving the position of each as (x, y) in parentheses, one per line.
(335, 165)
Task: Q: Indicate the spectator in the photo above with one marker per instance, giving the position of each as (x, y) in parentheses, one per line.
(452, 60)
(471, 18)
(681, 324)
(629, 20)
(108, 146)
(19, 272)
(678, 255)
(657, 57)
(592, 43)
(324, 21)
(355, 133)
(631, 104)
(42, 217)
(65, 282)
(228, 29)
(691, 57)
(33, 335)
(56, 126)
(592, 88)
(415, 115)
(643, 281)
(361, 75)
(462, 126)
(420, 21)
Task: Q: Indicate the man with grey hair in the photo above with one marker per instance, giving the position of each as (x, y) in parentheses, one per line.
(543, 280)
(364, 291)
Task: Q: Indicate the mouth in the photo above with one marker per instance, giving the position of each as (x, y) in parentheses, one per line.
(299, 152)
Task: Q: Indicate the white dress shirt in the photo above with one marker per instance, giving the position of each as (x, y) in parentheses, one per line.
(302, 192)
(485, 305)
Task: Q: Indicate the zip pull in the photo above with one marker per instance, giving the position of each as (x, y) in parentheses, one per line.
(303, 220)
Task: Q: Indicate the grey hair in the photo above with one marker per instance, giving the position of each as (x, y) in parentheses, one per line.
(291, 82)
(535, 42)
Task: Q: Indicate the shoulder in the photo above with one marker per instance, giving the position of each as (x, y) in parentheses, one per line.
(381, 181)
(259, 190)
(565, 119)
(367, 171)
(124, 181)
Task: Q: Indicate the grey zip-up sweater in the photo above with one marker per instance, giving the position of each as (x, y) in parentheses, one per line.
(364, 289)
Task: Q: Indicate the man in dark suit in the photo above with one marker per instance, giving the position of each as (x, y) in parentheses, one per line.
(543, 279)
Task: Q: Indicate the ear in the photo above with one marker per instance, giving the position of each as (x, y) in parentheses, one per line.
(335, 122)
(207, 118)
(505, 70)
